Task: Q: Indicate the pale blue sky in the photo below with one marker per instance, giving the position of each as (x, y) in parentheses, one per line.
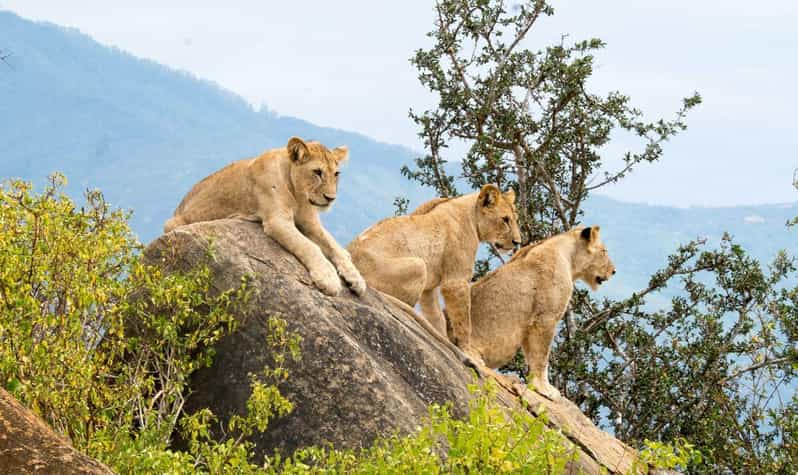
(345, 64)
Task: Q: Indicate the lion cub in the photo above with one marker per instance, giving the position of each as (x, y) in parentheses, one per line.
(519, 304)
(409, 257)
(284, 189)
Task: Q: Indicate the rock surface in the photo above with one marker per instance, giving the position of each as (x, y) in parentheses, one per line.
(367, 368)
(28, 445)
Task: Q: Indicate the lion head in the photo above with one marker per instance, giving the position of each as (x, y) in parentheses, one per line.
(591, 261)
(314, 171)
(497, 222)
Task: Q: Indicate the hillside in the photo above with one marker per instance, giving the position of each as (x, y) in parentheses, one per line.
(144, 133)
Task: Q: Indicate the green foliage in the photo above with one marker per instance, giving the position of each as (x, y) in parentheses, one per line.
(706, 368)
(61, 272)
(95, 341)
(678, 456)
(717, 367)
(141, 452)
(529, 118)
(147, 451)
(400, 205)
(491, 439)
(234, 453)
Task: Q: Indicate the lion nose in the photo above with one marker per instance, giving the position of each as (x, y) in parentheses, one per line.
(329, 197)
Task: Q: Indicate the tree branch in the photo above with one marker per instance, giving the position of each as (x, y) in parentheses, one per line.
(749, 369)
(4, 55)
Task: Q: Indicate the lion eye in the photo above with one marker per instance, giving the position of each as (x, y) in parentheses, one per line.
(337, 174)
(318, 172)
(506, 220)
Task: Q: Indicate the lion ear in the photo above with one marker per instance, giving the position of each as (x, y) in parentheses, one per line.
(509, 195)
(489, 196)
(340, 154)
(298, 150)
(590, 234)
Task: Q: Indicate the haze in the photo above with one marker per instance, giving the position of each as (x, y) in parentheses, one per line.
(345, 64)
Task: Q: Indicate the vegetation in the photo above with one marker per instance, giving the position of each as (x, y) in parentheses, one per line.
(717, 367)
(101, 344)
(95, 341)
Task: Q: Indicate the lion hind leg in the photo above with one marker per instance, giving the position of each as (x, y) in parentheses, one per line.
(401, 277)
(457, 296)
(431, 309)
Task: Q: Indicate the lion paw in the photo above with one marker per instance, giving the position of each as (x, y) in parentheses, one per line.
(545, 389)
(326, 279)
(352, 276)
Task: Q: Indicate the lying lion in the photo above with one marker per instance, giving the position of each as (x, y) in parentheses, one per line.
(409, 257)
(519, 304)
(284, 189)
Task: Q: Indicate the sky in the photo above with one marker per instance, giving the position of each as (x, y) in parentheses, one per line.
(345, 64)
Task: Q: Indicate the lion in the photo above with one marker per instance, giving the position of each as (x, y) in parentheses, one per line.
(284, 189)
(519, 304)
(411, 257)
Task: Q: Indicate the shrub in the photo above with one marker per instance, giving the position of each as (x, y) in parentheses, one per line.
(72, 286)
(491, 439)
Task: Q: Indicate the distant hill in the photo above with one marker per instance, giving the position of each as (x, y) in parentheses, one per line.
(144, 134)
(640, 237)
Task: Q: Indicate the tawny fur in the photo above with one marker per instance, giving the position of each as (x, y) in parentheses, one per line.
(519, 304)
(411, 257)
(284, 189)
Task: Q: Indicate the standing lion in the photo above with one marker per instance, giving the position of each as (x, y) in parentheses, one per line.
(410, 257)
(284, 189)
(519, 304)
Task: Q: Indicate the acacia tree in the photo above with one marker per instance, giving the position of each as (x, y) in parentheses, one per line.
(706, 368)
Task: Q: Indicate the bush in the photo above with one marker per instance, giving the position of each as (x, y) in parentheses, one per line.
(72, 286)
(492, 439)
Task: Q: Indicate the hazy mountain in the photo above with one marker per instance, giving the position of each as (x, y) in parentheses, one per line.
(144, 134)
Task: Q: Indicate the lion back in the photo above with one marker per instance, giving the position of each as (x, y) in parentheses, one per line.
(429, 206)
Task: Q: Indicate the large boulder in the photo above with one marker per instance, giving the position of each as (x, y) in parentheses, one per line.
(367, 368)
(28, 445)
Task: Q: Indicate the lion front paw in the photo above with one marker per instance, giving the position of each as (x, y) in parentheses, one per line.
(352, 276)
(326, 279)
(543, 387)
